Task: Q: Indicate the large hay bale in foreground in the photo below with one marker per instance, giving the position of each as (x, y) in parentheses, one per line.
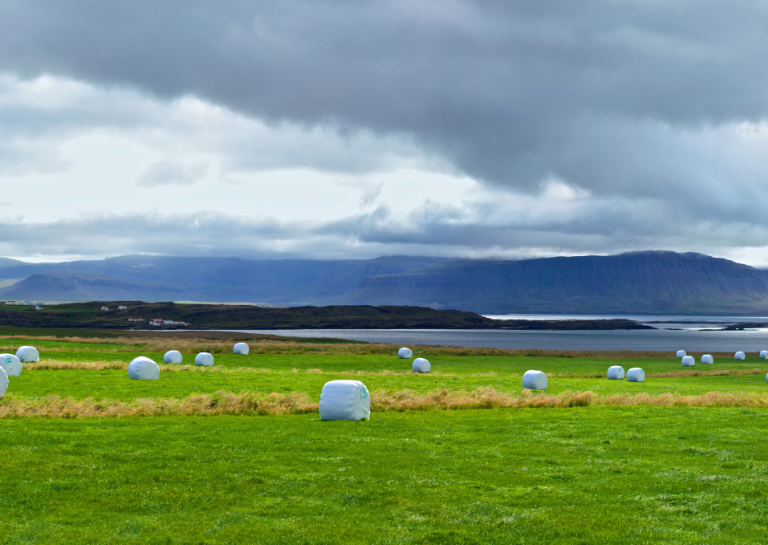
(10, 364)
(680, 354)
(636, 374)
(739, 356)
(420, 365)
(707, 359)
(688, 361)
(345, 400)
(143, 368)
(172, 356)
(242, 349)
(3, 383)
(535, 380)
(764, 354)
(28, 354)
(405, 353)
(204, 359)
(615, 372)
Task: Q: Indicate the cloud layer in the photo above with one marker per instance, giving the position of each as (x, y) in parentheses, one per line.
(361, 128)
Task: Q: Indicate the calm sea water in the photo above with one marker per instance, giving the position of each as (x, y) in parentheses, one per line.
(685, 332)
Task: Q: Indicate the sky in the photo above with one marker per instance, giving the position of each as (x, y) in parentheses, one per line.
(360, 128)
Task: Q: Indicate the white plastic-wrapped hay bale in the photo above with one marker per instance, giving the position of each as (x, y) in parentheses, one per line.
(764, 354)
(688, 361)
(143, 368)
(172, 356)
(636, 374)
(242, 349)
(28, 354)
(204, 359)
(10, 364)
(680, 354)
(345, 400)
(615, 372)
(420, 365)
(535, 380)
(739, 356)
(707, 359)
(3, 383)
(405, 353)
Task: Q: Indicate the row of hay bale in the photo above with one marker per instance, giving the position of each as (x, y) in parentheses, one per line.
(689, 361)
(420, 365)
(709, 360)
(143, 368)
(537, 380)
(11, 365)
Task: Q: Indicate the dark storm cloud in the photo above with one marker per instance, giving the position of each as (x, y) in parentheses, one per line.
(509, 91)
(638, 102)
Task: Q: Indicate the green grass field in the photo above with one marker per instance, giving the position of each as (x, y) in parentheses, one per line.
(596, 474)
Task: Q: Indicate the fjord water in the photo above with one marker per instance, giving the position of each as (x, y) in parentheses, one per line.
(692, 333)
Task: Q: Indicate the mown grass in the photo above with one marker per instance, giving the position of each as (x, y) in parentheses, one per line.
(585, 475)
(103, 376)
(237, 453)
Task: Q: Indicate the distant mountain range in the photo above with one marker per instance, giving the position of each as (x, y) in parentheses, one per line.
(637, 282)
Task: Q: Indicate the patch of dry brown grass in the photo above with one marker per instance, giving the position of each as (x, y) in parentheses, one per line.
(714, 373)
(487, 398)
(194, 405)
(406, 400)
(222, 342)
(54, 365)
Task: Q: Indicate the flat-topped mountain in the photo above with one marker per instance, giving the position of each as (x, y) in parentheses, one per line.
(637, 282)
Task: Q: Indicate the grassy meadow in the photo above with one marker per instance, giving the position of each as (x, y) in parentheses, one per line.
(237, 454)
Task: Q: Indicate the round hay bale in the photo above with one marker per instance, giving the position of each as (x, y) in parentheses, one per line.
(345, 400)
(242, 349)
(636, 374)
(615, 372)
(28, 354)
(764, 354)
(172, 356)
(143, 368)
(3, 383)
(688, 361)
(680, 354)
(405, 353)
(707, 359)
(535, 380)
(739, 356)
(420, 365)
(10, 364)
(204, 359)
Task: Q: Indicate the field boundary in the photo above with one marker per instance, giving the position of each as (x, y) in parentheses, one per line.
(117, 365)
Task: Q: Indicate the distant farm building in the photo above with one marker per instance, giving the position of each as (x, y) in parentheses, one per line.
(104, 308)
(136, 320)
(161, 322)
(122, 307)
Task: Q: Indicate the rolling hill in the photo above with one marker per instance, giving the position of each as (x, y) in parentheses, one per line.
(642, 282)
